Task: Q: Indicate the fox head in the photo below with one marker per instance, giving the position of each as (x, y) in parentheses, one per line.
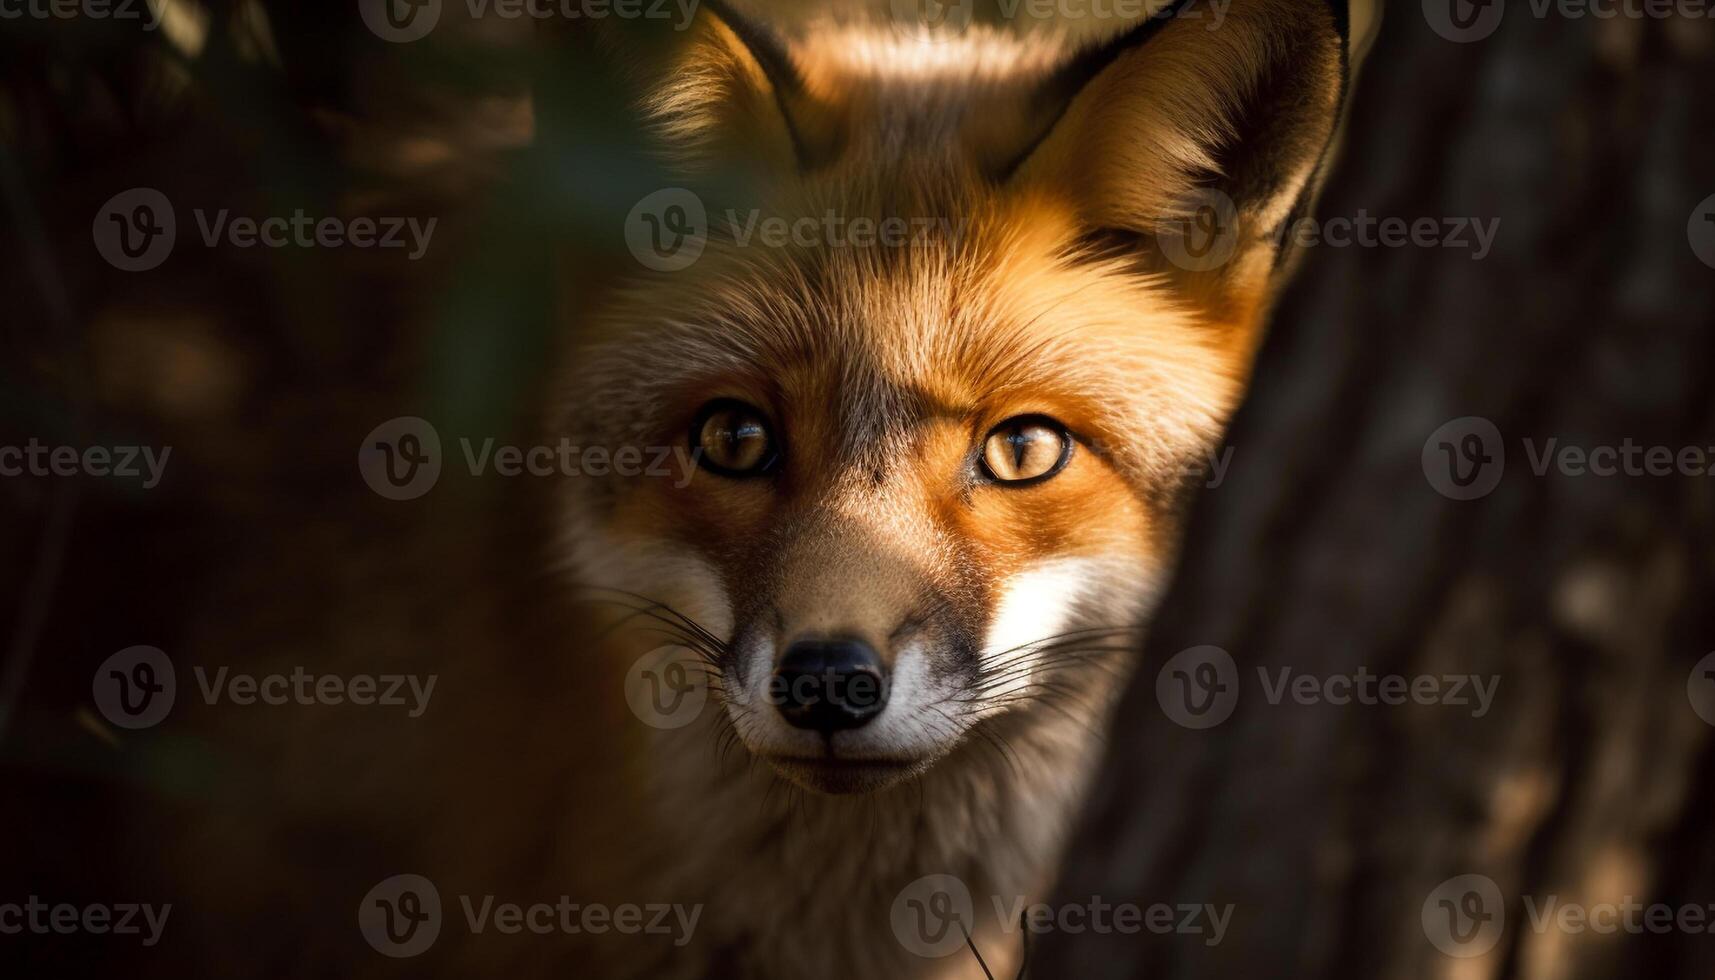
(949, 354)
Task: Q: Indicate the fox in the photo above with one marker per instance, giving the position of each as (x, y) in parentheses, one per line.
(939, 480)
(917, 358)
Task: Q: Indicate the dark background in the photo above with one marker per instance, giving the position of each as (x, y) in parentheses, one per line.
(1325, 548)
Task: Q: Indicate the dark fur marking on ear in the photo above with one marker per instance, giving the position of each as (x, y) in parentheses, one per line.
(1341, 12)
(1063, 86)
(777, 66)
(762, 45)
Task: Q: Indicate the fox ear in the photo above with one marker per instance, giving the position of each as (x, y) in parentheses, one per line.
(733, 93)
(1144, 131)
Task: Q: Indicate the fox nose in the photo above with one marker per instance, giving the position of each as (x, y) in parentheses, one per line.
(830, 685)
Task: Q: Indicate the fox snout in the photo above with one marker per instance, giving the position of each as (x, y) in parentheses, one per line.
(828, 686)
(845, 652)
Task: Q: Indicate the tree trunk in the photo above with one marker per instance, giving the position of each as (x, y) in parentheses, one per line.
(1328, 550)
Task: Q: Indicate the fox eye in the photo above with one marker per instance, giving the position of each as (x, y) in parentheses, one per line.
(732, 439)
(1026, 449)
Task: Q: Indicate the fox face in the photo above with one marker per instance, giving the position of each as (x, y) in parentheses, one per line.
(938, 476)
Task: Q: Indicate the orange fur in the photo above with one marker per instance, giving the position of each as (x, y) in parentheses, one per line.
(1038, 288)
